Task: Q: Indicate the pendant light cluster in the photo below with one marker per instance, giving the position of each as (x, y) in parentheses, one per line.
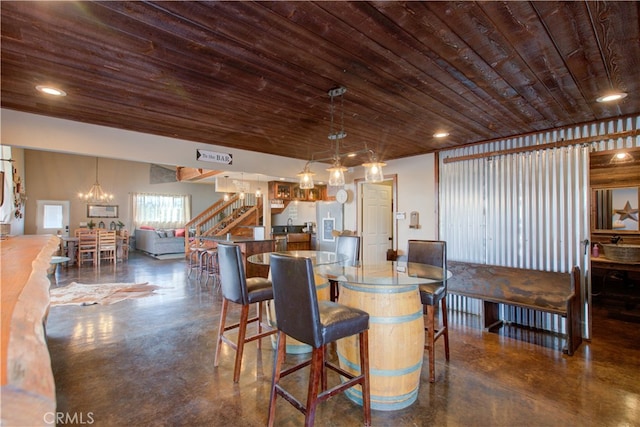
(373, 168)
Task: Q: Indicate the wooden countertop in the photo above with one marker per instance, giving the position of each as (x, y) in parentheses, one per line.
(604, 262)
(28, 389)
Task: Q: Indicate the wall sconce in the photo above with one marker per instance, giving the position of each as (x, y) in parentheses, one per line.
(621, 157)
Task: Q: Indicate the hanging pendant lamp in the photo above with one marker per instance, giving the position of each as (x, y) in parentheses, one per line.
(96, 194)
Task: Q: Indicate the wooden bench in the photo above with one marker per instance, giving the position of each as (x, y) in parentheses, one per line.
(556, 293)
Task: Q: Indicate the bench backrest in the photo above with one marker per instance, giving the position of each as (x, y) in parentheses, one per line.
(529, 288)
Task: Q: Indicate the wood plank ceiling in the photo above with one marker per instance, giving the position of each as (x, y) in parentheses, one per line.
(255, 75)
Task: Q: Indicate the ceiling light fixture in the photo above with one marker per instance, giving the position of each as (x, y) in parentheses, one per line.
(258, 190)
(336, 172)
(50, 90)
(621, 157)
(612, 96)
(241, 195)
(305, 177)
(441, 134)
(373, 168)
(226, 196)
(96, 194)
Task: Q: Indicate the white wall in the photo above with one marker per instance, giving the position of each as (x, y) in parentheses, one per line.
(50, 134)
(299, 212)
(416, 192)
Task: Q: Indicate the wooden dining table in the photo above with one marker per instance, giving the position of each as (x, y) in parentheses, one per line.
(389, 292)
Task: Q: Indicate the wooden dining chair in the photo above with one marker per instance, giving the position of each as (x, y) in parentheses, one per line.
(126, 241)
(432, 252)
(107, 246)
(87, 247)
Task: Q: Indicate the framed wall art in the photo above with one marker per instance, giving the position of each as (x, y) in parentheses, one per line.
(102, 211)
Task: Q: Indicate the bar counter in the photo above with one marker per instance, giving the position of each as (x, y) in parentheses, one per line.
(28, 389)
(248, 246)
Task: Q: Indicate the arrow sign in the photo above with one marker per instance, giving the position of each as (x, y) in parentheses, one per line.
(212, 156)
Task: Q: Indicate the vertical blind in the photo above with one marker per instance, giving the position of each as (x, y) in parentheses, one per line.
(526, 209)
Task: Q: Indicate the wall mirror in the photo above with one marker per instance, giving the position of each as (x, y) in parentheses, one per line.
(102, 211)
(616, 209)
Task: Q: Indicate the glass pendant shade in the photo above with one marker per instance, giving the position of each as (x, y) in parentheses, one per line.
(241, 195)
(373, 171)
(306, 178)
(226, 197)
(258, 192)
(336, 175)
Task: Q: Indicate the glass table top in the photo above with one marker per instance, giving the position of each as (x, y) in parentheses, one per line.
(389, 273)
(317, 257)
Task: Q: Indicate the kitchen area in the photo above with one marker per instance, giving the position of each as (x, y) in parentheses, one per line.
(304, 219)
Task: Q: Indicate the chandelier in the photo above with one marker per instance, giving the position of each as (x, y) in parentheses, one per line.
(96, 194)
(373, 168)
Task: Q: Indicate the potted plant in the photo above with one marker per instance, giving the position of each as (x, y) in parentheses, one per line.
(91, 224)
(120, 226)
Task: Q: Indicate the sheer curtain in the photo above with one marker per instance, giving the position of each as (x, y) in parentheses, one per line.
(160, 210)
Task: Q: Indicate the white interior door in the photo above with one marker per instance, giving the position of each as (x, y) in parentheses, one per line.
(376, 222)
(52, 216)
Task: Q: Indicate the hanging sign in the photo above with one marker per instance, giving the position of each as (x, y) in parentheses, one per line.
(212, 156)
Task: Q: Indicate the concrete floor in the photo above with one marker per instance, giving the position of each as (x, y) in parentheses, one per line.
(150, 362)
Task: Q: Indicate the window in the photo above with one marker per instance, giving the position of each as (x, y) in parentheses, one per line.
(52, 217)
(160, 210)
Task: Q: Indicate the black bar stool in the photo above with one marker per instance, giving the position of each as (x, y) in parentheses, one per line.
(301, 316)
(236, 288)
(350, 247)
(432, 252)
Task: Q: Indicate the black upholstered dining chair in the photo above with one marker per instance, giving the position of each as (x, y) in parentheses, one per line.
(432, 252)
(238, 289)
(300, 315)
(350, 247)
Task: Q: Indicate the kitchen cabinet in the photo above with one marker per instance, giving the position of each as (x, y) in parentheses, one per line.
(290, 191)
(298, 241)
(280, 190)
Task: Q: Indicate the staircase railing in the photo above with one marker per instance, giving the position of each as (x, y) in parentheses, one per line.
(221, 217)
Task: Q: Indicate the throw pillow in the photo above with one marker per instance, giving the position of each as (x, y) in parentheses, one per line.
(146, 227)
(179, 232)
(171, 233)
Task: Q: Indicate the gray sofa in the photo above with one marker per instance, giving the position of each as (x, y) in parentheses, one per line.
(158, 242)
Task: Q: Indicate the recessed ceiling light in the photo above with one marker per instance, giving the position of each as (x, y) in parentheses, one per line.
(441, 134)
(613, 96)
(50, 90)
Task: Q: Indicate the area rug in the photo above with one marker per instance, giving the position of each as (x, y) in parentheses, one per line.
(101, 293)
